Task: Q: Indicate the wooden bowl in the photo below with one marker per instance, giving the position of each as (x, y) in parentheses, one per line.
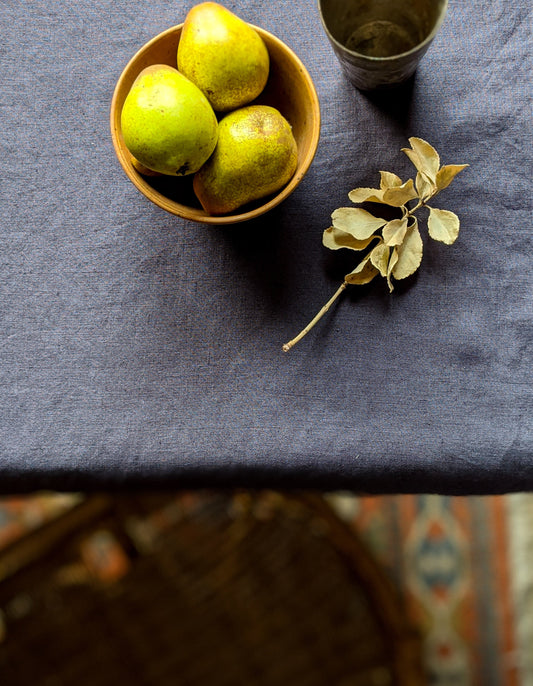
(289, 89)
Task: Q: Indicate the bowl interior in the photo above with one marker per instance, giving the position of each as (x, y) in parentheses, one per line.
(289, 89)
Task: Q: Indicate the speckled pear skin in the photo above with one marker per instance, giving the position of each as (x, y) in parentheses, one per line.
(223, 55)
(256, 155)
(167, 123)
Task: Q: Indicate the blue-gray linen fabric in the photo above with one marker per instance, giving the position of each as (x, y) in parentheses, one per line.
(141, 350)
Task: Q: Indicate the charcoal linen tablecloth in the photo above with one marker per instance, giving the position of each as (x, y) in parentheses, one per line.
(141, 350)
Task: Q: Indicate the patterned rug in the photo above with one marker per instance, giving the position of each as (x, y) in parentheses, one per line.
(463, 568)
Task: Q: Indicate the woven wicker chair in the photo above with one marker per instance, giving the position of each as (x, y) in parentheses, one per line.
(200, 589)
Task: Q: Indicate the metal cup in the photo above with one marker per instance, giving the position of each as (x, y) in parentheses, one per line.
(379, 43)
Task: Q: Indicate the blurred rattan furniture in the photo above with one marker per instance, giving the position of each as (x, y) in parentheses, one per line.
(221, 589)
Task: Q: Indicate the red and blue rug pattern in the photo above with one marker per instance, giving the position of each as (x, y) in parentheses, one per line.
(454, 562)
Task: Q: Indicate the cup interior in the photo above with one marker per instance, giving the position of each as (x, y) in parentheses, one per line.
(381, 28)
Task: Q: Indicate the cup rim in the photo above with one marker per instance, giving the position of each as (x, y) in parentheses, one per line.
(431, 35)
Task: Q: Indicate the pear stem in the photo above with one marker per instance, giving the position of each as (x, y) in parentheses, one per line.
(315, 319)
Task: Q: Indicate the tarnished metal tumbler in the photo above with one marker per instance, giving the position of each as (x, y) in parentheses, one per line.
(379, 43)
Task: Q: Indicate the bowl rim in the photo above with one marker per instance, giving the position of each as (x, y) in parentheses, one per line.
(199, 215)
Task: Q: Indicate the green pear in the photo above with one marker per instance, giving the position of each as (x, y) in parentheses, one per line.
(255, 156)
(167, 123)
(223, 55)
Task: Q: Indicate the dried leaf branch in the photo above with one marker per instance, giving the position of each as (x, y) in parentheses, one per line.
(395, 246)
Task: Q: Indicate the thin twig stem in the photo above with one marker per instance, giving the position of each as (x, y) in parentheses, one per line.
(420, 204)
(330, 302)
(315, 319)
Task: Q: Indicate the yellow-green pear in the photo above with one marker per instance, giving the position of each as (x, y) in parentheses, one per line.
(223, 55)
(167, 123)
(256, 155)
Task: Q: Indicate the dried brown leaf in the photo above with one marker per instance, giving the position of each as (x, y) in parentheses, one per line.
(379, 256)
(357, 222)
(399, 195)
(443, 225)
(447, 173)
(392, 263)
(424, 156)
(424, 186)
(427, 155)
(389, 180)
(394, 231)
(409, 253)
(366, 195)
(363, 273)
(334, 239)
